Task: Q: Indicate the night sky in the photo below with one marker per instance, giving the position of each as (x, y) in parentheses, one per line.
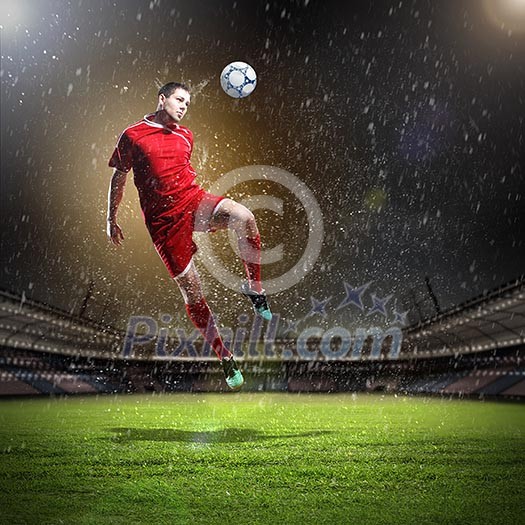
(404, 118)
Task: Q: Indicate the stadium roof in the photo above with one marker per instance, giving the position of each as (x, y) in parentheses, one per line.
(491, 321)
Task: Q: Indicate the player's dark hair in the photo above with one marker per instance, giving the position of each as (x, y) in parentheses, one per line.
(168, 89)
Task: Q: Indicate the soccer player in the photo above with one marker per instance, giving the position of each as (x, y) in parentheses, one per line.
(158, 149)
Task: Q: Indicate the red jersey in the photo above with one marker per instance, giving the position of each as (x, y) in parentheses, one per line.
(160, 158)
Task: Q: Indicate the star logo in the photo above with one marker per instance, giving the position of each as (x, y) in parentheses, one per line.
(354, 296)
(318, 307)
(291, 326)
(400, 318)
(379, 304)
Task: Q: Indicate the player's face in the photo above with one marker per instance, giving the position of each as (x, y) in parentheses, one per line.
(176, 104)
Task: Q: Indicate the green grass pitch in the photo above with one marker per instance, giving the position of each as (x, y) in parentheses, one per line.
(261, 459)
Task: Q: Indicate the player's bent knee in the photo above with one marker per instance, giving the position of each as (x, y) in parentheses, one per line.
(190, 286)
(251, 225)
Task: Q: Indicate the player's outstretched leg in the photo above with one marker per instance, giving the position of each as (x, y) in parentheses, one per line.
(200, 314)
(240, 219)
(243, 223)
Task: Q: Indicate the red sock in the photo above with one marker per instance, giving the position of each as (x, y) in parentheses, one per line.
(250, 248)
(202, 318)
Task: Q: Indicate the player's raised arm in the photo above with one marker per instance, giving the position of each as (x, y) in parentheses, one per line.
(116, 190)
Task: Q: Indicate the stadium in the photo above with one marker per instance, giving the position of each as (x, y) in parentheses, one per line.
(103, 419)
(475, 350)
(379, 146)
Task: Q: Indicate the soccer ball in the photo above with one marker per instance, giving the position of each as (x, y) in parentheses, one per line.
(238, 79)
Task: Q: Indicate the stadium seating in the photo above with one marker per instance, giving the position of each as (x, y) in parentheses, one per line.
(51, 352)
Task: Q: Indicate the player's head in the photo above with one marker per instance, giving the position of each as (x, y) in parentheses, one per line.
(174, 99)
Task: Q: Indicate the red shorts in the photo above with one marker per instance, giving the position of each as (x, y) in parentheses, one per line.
(172, 234)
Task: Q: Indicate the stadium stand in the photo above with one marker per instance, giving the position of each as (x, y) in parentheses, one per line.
(515, 391)
(476, 349)
(501, 384)
(468, 384)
